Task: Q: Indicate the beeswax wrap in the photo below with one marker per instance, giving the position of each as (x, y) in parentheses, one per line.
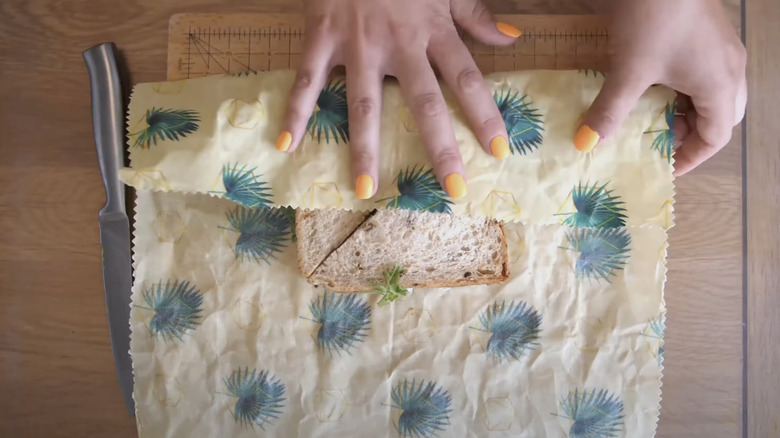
(228, 339)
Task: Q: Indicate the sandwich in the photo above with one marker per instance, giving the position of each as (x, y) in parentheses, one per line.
(352, 251)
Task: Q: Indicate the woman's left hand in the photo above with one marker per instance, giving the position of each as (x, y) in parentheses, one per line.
(401, 38)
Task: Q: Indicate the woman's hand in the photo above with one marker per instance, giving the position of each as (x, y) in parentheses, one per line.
(401, 38)
(686, 45)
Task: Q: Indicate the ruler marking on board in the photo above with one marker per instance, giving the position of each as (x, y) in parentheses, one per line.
(206, 44)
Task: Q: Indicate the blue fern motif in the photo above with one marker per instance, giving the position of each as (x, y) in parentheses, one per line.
(419, 190)
(657, 327)
(594, 414)
(260, 397)
(331, 117)
(425, 408)
(176, 307)
(513, 329)
(262, 232)
(664, 140)
(166, 124)
(344, 321)
(596, 207)
(523, 123)
(289, 213)
(602, 251)
(243, 187)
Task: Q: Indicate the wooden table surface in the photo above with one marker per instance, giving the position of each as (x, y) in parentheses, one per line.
(57, 375)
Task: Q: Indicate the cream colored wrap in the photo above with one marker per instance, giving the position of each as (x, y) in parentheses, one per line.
(229, 340)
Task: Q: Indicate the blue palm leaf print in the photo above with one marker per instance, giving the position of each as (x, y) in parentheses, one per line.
(657, 327)
(260, 397)
(419, 190)
(664, 140)
(593, 414)
(513, 329)
(602, 251)
(596, 207)
(289, 213)
(425, 408)
(330, 118)
(523, 123)
(243, 187)
(344, 321)
(176, 307)
(262, 232)
(166, 124)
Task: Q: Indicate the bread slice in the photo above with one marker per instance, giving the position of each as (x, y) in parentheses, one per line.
(434, 250)
(320, 232)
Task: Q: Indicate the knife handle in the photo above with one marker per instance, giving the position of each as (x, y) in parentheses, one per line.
(107, 121)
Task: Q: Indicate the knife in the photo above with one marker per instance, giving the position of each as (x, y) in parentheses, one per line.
(108, 126)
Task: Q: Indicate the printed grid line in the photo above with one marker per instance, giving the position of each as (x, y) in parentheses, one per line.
(215, 50)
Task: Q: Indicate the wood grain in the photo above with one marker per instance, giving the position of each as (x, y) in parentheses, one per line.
(207, 44)
(763, 205)
(57, 375)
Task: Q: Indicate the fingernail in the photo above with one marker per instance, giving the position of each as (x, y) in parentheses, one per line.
(586, 139)
(364, 187)
(499, 147)
(508, 29)
(455, 185)
(283, 142)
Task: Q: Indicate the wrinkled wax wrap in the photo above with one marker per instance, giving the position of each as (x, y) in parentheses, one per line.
(229, 340)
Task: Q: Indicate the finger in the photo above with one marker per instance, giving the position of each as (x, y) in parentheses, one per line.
(461, 74)
(741, 102)
(310, 79)
(614, 102)
(364, 100)
(680, 129)
(713, 127)
(474, 17)
(421, 91)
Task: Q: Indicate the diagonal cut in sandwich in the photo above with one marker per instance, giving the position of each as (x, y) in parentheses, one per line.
(348, 251)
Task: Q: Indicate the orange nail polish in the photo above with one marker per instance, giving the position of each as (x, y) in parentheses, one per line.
(364, 187)
(508, 29)
(455, 185)
(499, 147)
(586, 139)
(283, 142)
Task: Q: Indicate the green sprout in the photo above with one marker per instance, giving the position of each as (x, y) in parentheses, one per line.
(392, 288)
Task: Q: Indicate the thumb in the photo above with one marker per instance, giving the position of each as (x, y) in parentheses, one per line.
(614, 102)
(476, 19)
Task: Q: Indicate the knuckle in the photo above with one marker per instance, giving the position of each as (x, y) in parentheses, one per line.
(478, 10)
(294, 114)
(319, 24)
(604, 121)
(447, 157)
(493, 124)
(716, 136)
(405, 35)
(469, 79)
(429, 104)
(362, 108)
(361, 158)
(304, 80)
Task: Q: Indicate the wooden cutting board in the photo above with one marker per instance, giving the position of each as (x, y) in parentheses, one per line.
(702, 386)
(204, 44)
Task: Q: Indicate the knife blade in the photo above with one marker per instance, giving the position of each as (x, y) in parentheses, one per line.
(108, 127)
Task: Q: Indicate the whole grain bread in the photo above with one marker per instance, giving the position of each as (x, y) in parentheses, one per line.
(434, 250)
(320, 232)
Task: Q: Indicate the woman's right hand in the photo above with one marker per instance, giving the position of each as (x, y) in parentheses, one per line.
(687, 45)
